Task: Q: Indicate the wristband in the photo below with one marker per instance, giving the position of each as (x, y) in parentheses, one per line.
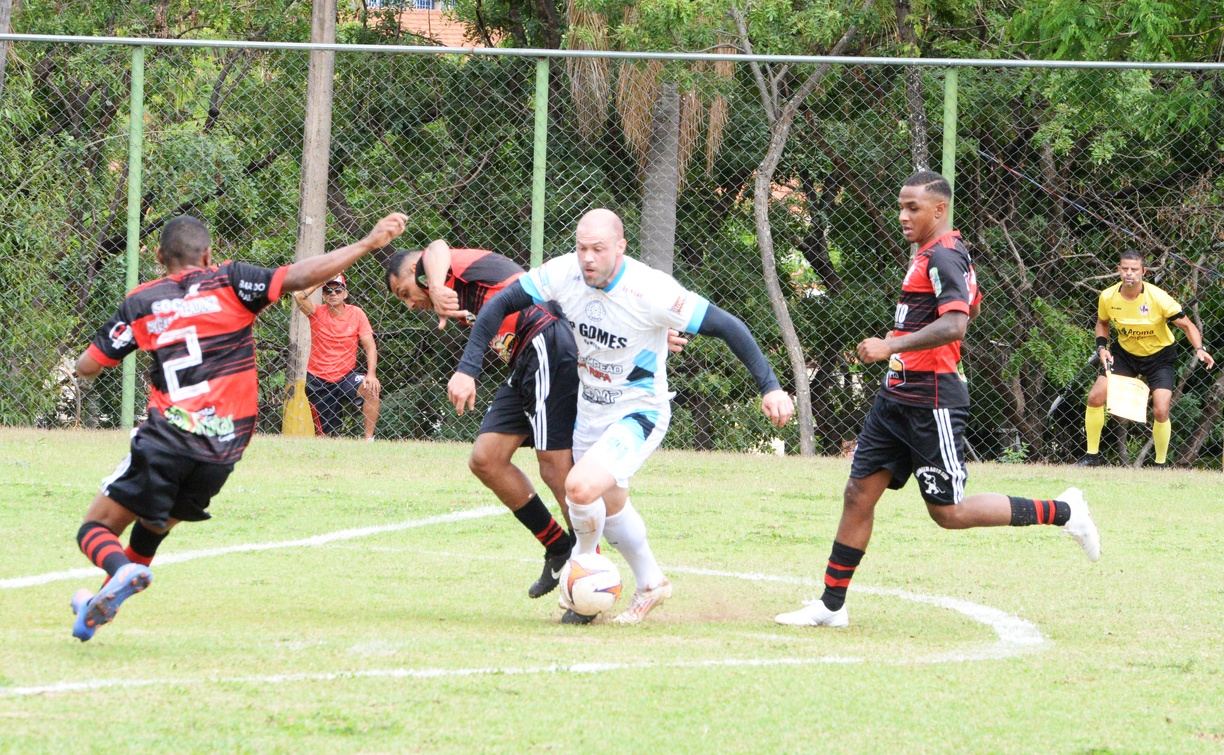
(1102, 343)
(1202, 349)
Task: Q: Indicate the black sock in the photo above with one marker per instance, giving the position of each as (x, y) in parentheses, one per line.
(101, 547)
(1028, 511)
(842, 563)
(144, 541)
(535, 517)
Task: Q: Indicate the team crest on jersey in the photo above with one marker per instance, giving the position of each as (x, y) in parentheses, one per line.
(596, 311)
(120, 335)
(1144, 309)
(896, 372)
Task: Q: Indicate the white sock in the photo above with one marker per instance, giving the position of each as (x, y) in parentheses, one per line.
(588, 523)
(626, 532)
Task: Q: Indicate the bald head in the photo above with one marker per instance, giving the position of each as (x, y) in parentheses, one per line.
(600, 245)
(602, 221)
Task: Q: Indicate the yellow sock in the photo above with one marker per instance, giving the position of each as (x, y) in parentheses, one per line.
(1094, 422)
(1160, 438)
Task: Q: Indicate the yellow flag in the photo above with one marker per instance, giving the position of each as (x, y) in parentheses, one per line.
(1127, 398)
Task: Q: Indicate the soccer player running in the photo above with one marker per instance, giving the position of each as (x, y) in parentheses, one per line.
(916, 425)
(620, 311)
(196, 323)
(1141, 313)
(332, 379)
(536, 406)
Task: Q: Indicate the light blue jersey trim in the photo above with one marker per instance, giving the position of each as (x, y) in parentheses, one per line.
(530, 287)
(699, 312)
(620, 274)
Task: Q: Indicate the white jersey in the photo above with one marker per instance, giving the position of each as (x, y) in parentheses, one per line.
(621, 331)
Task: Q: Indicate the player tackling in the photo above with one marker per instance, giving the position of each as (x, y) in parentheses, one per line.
(916, 425)
(195, 321)
(620, 311)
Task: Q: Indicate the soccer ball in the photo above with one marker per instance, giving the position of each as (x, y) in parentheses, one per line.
(590, 583)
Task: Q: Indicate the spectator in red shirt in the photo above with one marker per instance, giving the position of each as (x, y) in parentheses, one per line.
(332, 379)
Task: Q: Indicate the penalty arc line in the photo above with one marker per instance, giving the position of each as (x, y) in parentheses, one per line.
(1015, 635)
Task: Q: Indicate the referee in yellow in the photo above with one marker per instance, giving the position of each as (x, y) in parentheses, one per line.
(1142, 314)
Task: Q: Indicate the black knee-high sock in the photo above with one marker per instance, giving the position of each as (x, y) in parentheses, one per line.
(1027, 511)
(101, 547)
(842, 563)
(535, 517)
(143, 544)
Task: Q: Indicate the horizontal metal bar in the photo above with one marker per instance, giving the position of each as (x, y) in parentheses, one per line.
(533, 53)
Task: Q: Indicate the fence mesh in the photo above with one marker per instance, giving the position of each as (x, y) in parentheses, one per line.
(1057, 172)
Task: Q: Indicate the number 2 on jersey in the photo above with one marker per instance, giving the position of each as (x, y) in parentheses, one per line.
(171, 367)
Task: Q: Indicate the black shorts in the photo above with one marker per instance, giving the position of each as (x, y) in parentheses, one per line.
(1160, 369)
(157, 484)
(905, 440)
(327, 400)
(540, 400)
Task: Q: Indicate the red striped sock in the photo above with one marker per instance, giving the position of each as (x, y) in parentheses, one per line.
(101, 547)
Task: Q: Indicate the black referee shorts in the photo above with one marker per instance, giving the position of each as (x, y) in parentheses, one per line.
(1159, 369)
(158, 485)
(540, 400)
(905, 440)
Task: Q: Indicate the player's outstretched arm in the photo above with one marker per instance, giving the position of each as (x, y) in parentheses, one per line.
(317, 270)
(775, 404)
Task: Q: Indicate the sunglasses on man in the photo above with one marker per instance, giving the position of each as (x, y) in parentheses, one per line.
(332, 289)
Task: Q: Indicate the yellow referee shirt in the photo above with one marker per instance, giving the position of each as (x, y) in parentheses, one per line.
(1142, 324)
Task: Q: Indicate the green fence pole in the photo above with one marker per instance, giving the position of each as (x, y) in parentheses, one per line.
(538, 172)
(135, 143)
(949, 135)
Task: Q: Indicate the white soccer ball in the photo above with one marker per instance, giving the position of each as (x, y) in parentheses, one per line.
(590, 583)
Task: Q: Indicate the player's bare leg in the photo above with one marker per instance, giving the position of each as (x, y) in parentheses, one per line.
(853, 534)
(491, 462)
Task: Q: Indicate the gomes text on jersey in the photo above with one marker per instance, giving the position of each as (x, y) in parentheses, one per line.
(940, 279)
(196, 324)
(621, 329)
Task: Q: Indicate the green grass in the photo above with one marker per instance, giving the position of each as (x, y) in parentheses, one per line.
(422, 639)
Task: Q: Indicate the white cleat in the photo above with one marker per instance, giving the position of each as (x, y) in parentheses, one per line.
(1080, 526)
(814, 614)
(644, 601)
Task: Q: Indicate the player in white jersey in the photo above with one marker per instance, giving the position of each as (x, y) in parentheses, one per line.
(620, 310)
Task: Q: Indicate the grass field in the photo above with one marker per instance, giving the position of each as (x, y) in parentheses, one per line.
(409, 629)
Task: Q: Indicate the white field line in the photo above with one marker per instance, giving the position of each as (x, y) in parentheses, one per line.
(308, 542)
(1015, 635)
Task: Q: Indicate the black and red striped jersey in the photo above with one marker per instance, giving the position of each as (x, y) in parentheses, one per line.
(940, 279)
(477, 275)
(196, 324)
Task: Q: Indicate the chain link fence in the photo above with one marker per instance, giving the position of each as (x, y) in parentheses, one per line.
(1057, 172)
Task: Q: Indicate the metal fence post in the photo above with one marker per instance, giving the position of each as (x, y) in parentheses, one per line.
(539, 161)
(135, 145)
(949, 136)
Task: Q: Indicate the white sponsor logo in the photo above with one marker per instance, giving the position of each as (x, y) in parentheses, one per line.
(121, 335)
(598, 396)
(186, 307)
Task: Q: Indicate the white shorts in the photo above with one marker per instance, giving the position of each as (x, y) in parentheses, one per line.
(623, 446)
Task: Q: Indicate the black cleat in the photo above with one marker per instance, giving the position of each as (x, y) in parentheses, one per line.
(1089, 460)
(550, 576)
(573, 617)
